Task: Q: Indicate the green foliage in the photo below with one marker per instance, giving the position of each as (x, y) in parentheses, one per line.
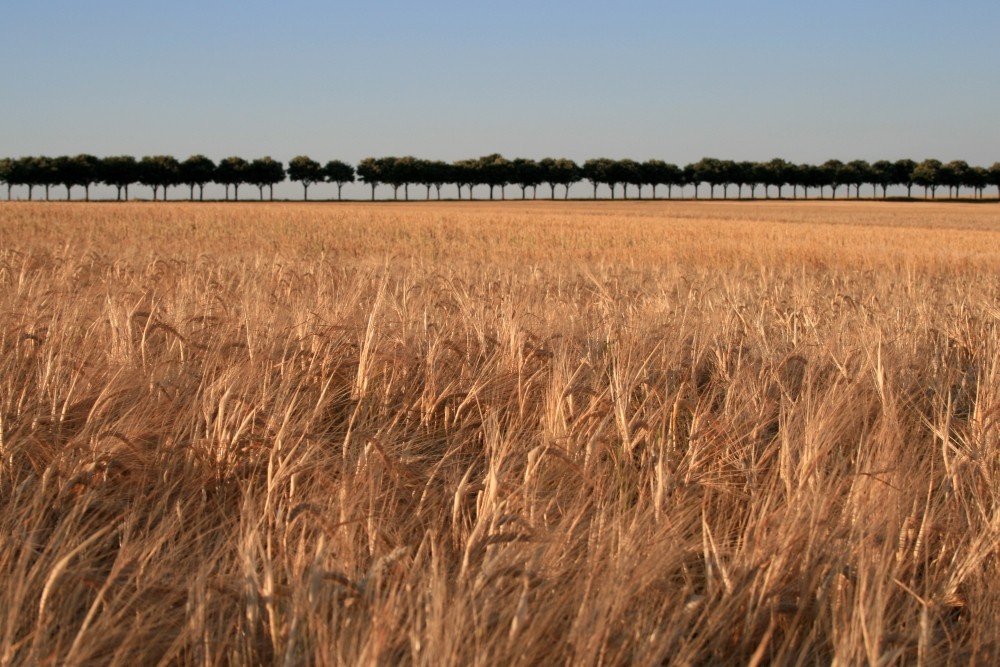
(158, 171)
(197, 170)
(336, 171)
(493, 171)
(306, 171)
(265, 172)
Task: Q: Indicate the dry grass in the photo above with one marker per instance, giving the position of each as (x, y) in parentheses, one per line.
(499, 434)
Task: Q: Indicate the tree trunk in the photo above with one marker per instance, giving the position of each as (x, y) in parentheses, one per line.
(595, 190)
(696, 191)
(201, 192)
(236, 191)
(191, 197)
(46, 193)
(373, 192)
(126, 192)
(68, 189)
(654, 190)
(339, 186)
(30, 188)
(261, 187)
(270, 191)
(565, 194)
(406, 191)
(553, 186)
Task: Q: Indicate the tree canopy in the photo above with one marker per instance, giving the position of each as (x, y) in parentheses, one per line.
(495, 172)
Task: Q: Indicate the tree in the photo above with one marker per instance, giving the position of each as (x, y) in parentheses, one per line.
(76, 170)
(927, 175)
(197, 170)
(744, 176)
(441, 172)
(902, 174)
(954, 174)
(89, 167)
(856, 173)
(232, 171)
(727, 174)
(977, 179)
(832, 174)
(526, 174)
(494, 171)
(22, 172)
(158, 171)
(777, 173)
(368, 172)
(405, 170)
(627, 172)
(706, 170)
(993, 176)
(67, 173)
(691, 174)
(390, 173)
(306, 171)
(422, 176)
(564, 172)
(43, 172)
(338, 172)
(881, 174)
(597, 172)
(672, 175)
(119, 171)
(466, 173)
(809, 176)
(796, 177)
(546, 174)
(653, 174)
(265, 172)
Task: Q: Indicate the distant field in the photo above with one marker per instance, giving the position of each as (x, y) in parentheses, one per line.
(499, 433)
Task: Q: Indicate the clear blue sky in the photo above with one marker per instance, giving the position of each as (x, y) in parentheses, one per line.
(806, 81)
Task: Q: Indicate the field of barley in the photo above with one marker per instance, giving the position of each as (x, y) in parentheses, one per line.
(538, 433)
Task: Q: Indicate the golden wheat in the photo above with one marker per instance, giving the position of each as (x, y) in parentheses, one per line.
(521, 433)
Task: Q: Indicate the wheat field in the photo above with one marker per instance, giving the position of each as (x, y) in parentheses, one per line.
(526, 433)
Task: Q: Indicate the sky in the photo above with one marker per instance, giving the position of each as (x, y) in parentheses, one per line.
(805, 81)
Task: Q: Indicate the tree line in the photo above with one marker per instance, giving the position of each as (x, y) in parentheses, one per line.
(161, 172)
